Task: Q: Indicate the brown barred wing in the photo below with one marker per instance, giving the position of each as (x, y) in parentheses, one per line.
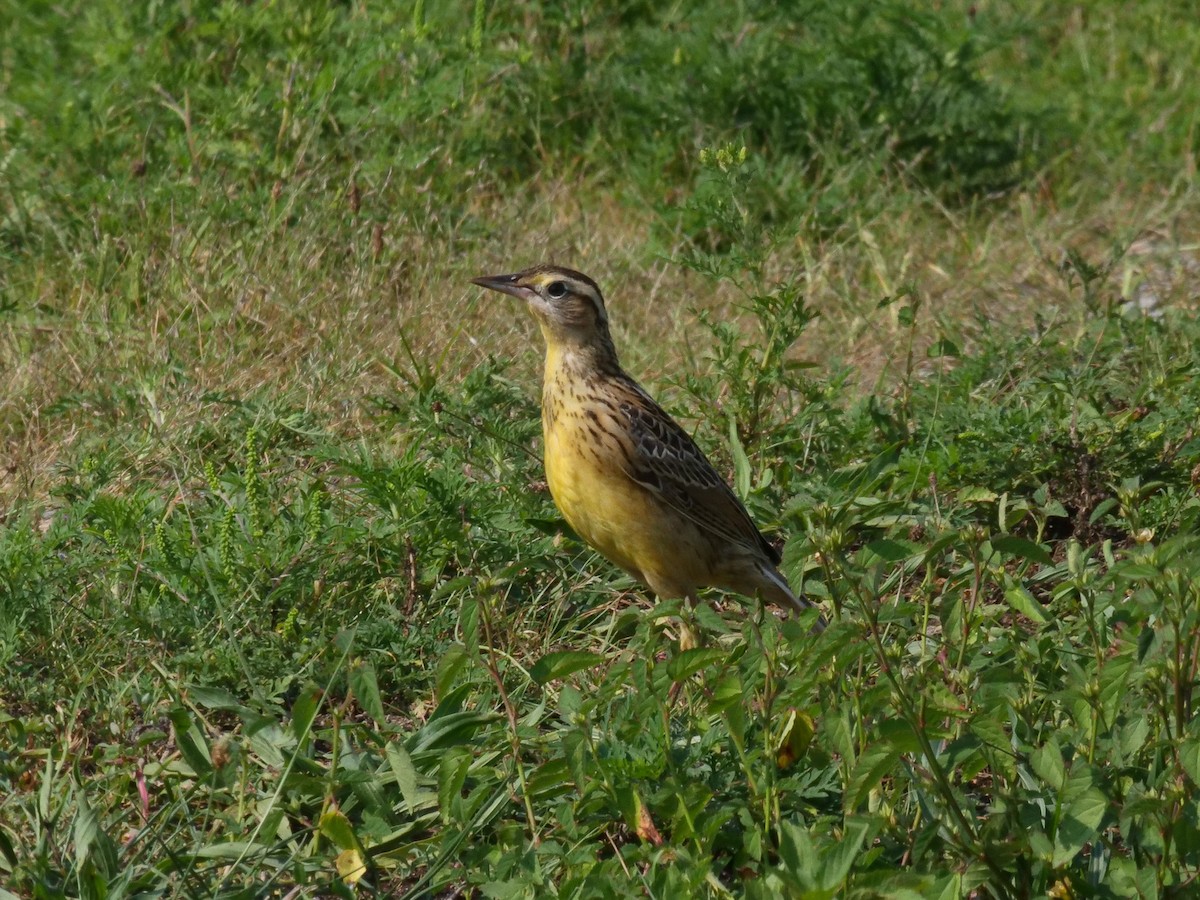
(667, 461)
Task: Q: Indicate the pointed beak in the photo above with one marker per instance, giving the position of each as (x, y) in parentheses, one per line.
(505, 284)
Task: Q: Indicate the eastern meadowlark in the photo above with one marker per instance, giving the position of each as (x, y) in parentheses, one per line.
(624, 474)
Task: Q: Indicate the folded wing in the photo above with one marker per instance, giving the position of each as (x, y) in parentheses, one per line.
(667, 461)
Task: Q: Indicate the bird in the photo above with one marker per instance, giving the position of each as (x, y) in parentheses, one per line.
(626, 476)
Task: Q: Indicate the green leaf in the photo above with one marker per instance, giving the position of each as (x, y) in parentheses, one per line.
(875, 762)
(450, 730)
(1047, 762)
(575, 752)
(550, 777)
(406, 774)
(552, 527)
(1024, 603)
(890, 550)
(741, 462)
(304, 711)
(452, 664)
(947, 887)
(977, 494)
(1132, 735)
(366, 691)
(1189, 758)
(626, 797)
(963, 756)
(725, 693)
(274, 821)
(452, 775)
(710, 620)
(1002, 512)
(190, 741)
(503, 890)
(735, 720)
(468, 624)
(562, 663)
(44, 791)
(91, 841)
(688, 662)
(7, 850)
(1022, 548)
(1114, 680)
(1079, 825)
(1054, 509)
(216, 698)
(1102, 508)
(943, 347)
(797, 853)
(570, 700)
(840, 734)
(337, 829)
(1039, 843)
(836, 862)
(269, 740)
(236, 850)
(900, 735)
(989, 728)
(1136, 571)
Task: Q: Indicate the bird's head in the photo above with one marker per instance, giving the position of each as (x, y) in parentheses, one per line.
(567, 304)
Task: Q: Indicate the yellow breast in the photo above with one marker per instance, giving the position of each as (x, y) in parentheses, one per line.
(604, 506)
(587, 457)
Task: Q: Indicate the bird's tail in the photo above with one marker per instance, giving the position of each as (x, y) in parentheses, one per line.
(775, 589)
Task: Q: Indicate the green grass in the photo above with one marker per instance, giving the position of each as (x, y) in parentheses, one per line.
(282, 591)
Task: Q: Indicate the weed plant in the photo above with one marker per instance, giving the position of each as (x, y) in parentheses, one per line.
(269, 624)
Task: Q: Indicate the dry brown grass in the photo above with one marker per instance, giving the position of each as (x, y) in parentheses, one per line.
(177, 326)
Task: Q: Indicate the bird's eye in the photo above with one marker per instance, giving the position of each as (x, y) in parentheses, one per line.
(557, 290)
